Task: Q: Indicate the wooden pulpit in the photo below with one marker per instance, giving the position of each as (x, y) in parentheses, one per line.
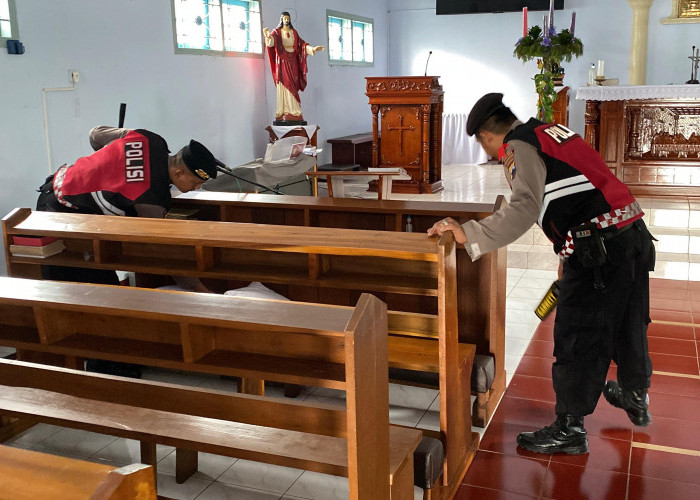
(410, 128)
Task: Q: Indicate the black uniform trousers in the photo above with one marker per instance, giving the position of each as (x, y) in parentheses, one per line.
(594, 326)
(47, 202)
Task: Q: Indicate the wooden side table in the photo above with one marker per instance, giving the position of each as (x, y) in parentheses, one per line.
(352, 149)
(336, 188)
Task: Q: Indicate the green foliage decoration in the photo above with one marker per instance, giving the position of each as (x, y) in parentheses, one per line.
(550, 48)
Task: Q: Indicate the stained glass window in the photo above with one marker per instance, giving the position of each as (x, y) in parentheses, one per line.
(350, 39)
(217, 26)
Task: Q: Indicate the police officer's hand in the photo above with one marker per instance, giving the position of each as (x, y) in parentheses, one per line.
(448, 224)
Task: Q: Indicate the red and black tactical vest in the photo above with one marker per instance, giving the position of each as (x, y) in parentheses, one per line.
(579, 186)
(127, 171)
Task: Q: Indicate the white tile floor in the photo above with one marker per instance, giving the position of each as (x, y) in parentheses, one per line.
(531, 270)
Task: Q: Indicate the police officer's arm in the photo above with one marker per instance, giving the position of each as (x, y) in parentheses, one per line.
(103, 135)
(512, 221)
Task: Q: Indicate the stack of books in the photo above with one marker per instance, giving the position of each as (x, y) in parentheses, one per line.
(36, 246)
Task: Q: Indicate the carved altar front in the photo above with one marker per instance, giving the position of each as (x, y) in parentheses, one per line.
(648, 135)
(407, 115)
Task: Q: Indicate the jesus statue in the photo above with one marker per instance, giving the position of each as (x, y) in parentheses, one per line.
(287, 53)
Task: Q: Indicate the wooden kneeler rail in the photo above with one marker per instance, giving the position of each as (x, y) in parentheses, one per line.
(343, 348)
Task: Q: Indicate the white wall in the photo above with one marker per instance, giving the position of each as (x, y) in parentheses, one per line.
(473, 54)
(124, 52)
(335, 96)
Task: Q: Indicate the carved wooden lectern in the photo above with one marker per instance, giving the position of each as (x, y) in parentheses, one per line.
(410, 129)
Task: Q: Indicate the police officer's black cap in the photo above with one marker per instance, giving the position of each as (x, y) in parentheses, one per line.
(483, 110)
(199, 160)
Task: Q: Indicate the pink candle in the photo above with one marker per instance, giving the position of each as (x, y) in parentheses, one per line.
(573, 23)
(551, 14)
(524, 21)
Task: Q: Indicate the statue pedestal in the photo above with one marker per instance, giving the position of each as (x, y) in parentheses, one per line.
(279, 132)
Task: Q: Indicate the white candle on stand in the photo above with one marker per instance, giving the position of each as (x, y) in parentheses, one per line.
(551, 13)
(601, 68)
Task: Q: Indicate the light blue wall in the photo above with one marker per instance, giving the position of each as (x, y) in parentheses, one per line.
(473, 53)
(124, 52)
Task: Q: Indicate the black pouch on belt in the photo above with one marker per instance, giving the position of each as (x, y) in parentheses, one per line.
(588, 245)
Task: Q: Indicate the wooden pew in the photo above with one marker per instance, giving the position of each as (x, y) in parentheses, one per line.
(481, 285)
(338, 347)
(29, 475)
(311, 261)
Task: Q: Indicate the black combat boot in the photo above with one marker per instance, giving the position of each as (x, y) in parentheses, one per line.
(635, 403)
(565, 435)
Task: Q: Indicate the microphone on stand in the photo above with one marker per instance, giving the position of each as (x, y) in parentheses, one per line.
(426, 63)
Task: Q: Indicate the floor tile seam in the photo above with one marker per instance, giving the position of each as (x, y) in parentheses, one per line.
(497, 490)
(670, 338)
(233, 483)
(629, 468)
(671, 323)
(673, 481)
(676, 374)
(241, 485)
(666, 449)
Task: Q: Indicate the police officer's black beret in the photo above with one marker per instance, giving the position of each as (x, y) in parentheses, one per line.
(199, 160)
(482, 110)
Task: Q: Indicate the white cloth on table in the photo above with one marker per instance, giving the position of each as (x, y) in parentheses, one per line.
(631, 92)
(457, 146)
(281, 130)
(255, 290)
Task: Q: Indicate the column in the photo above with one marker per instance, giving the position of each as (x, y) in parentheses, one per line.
(638, 50)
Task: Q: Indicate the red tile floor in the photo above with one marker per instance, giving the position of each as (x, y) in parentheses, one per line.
(661, 461)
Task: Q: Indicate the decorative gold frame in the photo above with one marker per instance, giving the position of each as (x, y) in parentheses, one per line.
(688, 9)
(683, 11)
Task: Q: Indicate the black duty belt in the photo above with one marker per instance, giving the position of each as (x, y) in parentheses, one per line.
(608, 235)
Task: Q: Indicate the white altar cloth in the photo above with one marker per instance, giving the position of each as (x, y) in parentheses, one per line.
(457, 146)
(632, 92)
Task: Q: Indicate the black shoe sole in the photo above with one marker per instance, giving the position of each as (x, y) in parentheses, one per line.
(569, 450)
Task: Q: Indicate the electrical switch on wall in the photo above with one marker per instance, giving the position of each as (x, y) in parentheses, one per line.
(74, 76)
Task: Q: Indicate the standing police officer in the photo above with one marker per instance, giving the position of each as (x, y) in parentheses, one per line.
(606, 253)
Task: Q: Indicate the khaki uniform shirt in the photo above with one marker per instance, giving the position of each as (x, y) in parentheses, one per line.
(527, 179)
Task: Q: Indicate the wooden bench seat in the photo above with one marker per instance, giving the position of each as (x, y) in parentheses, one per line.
(319, 453)
(338, 347)
(480, 285)
(31, 475)
(312, 262)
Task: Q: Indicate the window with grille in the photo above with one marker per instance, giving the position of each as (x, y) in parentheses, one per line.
(8, 21)
(224, 27)
(350, 39)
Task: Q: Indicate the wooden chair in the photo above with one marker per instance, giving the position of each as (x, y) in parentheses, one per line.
(338, 347)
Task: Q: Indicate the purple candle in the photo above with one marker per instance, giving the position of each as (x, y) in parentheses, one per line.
(551, 14)
(573, 23)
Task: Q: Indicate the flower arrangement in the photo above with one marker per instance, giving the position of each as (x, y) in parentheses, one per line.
(550, 47)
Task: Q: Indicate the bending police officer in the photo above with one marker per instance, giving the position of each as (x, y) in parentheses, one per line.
(129, 175)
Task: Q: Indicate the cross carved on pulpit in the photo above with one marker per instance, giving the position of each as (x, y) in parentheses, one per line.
(401, 129)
